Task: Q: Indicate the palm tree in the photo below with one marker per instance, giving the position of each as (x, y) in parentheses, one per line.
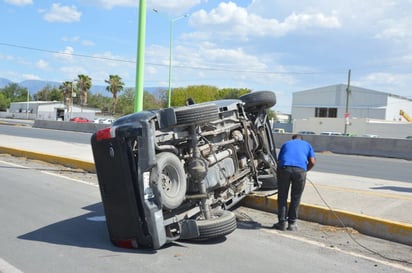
(84, 83)
(115, 85)
(67, 89)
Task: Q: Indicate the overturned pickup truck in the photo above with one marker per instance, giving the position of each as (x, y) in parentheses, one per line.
(174, 173)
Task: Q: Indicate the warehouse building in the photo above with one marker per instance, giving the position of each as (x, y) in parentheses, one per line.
(369, 112)
(48, 110)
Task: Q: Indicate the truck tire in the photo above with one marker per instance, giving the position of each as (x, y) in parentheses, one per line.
(258, 100)
(170, 178)
(196, 114)
(223, 224)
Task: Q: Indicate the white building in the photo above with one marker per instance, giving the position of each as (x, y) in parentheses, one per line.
(48, 110)
(330, 101)
(324, 109)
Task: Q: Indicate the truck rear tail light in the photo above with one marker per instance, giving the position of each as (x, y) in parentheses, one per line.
(106, 133)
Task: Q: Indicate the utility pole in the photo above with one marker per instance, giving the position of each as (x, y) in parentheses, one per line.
(171, 22)
(138, 101)
(347, 104)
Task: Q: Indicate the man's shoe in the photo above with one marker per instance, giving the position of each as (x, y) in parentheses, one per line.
(292, 227)
(280, 226)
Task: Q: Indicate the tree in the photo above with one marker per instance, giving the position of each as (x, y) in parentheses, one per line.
(99, 101)
(271, 114)
(84, 83)
(115, 85)
(232, 93)
(49, 93)
(67, 90)
(152, 102)
(126, 102)
(199, 93)
(15, 93)
(4, 102)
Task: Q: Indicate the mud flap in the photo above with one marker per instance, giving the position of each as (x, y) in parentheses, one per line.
(189, 229)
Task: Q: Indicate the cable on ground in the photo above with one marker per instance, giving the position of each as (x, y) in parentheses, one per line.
(349, 234)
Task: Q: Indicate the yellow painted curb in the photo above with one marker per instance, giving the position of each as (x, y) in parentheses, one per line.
(69, 162)
(381, 228)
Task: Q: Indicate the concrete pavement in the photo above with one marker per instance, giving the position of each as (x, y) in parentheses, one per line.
(375, 207)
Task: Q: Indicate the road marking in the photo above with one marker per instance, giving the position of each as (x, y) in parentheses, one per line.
(69, 178)
(358, 255)
(97, 218)
(50, 173)
(5, 267)
(14, 165)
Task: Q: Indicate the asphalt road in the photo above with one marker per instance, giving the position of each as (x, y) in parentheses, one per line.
(52, 222)
(372, 167)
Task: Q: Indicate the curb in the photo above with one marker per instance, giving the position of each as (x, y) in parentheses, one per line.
(376, 227)
(69, 162)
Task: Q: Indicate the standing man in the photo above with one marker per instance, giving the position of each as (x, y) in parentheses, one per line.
(296, 157)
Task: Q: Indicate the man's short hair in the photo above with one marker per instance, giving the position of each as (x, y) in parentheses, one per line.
(297, 136)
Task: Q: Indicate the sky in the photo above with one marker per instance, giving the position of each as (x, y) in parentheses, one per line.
(277, 45)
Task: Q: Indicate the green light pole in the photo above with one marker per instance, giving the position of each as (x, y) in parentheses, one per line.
(171, 21)
(138, 101)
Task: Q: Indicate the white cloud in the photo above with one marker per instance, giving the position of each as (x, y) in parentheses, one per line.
(65, 54)
(6, 57)
(98, 66)
(76, 39)
(71, 39)
(209, 64)
(231, 20)
(19, 2)
(173, 7)
(30, 77)
(167, 7)
(109, 4)
(397, 83)
(88, 43)
(71, 72)
(63, 14)
(395, 29)
(42, 64)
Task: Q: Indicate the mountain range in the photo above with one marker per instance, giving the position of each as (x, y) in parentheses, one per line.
(35, 86)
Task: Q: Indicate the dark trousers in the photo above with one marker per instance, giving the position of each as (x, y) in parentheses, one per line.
(288, 176)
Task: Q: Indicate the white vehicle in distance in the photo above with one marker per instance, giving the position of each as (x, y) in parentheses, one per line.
(279, 130)
(306, 133)
(331, 134)
(104, 120)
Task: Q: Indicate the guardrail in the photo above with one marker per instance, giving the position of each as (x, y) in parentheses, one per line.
(69, 126)
(380, 147)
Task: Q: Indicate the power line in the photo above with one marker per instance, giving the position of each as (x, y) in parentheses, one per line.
(163, 65)
(65, 53)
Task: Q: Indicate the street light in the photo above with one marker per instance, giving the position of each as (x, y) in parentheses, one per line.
(171, 21)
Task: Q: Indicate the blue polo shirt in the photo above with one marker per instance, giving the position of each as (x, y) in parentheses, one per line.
(296, 153)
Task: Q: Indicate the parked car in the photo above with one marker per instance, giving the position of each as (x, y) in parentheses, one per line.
(80, 119)
(98, 120)
(370, 135)
(108, 121)
(104, 120)
(172, 174)
(279, 130)
(331, 134)
(306, 133)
